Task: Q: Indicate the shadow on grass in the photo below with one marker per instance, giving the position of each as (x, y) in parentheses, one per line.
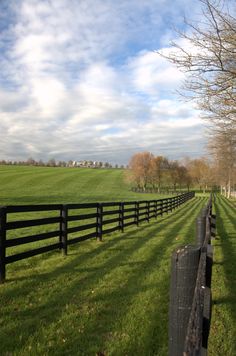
(101, 291)
(226, 223)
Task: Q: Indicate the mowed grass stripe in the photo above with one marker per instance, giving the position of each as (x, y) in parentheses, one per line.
(101, 296)
(223, 328)
(36, 185)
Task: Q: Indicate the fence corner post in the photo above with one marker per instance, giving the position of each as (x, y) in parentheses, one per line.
(184, 267)
(3, 220)
(64, 227)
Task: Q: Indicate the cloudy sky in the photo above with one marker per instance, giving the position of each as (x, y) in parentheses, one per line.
(80, 79)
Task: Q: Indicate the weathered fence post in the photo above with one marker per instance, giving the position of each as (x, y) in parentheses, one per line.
(99, 221)
(147, 210)
(121, 217)
(3, 220)
(155, 209)
(183, 279)
(161, 207)
(200, 230)
(137, 212)
(213, 225)
(64, 227)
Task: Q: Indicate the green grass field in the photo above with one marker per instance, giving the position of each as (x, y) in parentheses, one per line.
(108, 298)
(38, 185)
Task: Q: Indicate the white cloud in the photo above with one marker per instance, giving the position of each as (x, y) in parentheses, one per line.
(82, 86)
(153, 74)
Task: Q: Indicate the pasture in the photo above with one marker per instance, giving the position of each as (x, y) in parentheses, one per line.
(42, 185)
(110, 297)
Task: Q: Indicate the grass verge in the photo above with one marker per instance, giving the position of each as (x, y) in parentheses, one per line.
(223, 326)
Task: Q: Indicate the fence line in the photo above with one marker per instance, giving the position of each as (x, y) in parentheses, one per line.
(102, 219)
(190, 292)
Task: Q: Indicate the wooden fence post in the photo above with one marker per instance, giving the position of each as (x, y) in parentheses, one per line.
(155, 209)
(148, 211)
(200, 230)
(99, 221)
(3, 220)
(137, 212)
(183, 279)
(64, 227)
(121, 217)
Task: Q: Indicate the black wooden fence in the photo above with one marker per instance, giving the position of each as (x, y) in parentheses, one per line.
(71, 223)
(190, 291)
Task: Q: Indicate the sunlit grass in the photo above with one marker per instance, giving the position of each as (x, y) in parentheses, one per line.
(223, 327)
(106, 298)
(43, 185)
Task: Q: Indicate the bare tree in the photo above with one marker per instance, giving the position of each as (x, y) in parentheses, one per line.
(208, 56)
(141, 165)
(223, 148)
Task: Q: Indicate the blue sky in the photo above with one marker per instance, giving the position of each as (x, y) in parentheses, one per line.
(80, 79)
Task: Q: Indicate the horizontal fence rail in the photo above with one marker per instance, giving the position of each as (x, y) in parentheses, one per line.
(57, 226)
(190, 290)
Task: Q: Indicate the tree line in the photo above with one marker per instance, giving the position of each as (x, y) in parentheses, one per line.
(53, 163)
(147, 171)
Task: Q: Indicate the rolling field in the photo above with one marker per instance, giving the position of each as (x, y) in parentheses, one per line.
(41, 185)
(111, 297)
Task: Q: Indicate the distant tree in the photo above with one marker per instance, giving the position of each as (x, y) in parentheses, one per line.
(141, 165)
(200, 172)
(159, 166)
(51, 163)
(30, 162)
(173, 173)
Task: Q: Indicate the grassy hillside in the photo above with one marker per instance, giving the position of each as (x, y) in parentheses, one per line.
(36, 185)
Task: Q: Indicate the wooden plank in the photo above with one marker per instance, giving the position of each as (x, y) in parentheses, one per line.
(81, 228)
(111, 221)
(111, 212)
(130, 223)
(31, 253)
(81, 217)
(130, 217)
(32, 238)
(34, 222)
(108, 231)
(32, 208)
(106, 204)
(3, 219)
(129, 203)
(82, 206)
(81, 238)
(142, 214)
(143, 219)
(129, 210)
